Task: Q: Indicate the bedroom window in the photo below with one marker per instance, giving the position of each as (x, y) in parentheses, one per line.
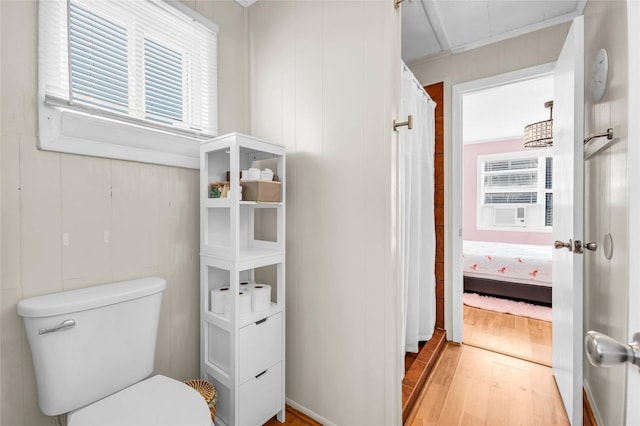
(129, 80)
(515, 191)
(548, 192)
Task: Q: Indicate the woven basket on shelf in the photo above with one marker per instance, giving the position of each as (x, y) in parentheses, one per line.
(207, 391)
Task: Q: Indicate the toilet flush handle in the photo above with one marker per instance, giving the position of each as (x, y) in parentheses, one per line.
(65, 325)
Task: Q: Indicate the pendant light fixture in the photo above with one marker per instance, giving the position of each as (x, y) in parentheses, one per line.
(540, 134)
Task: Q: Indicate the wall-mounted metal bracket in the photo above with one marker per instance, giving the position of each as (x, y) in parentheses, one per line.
(608, 134)
(396, 3)
(408, 123)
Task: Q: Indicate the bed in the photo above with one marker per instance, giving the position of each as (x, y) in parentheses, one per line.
(516, 271)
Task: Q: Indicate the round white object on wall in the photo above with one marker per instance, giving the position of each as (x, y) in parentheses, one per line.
(599, 74)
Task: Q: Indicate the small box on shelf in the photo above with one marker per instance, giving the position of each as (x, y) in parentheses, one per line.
(261, 191)
(218, 189)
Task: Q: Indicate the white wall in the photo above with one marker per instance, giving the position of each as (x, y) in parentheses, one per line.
(325, 80)
(521, 52)
(606, 186)
(1, 204)
(150, 212)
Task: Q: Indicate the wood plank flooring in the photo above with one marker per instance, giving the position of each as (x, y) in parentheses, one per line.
(472, 386)
(521, 337)
(293, 418)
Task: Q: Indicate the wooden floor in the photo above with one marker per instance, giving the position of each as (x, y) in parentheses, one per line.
(521, 337)
(475, 386)
(293, 418)
(472, 386)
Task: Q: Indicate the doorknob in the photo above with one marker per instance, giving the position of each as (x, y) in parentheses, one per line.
(561, 244)
(604, 351)
(593, 246)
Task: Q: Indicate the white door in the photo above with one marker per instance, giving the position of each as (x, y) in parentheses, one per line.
(568, 98)
(633, 373)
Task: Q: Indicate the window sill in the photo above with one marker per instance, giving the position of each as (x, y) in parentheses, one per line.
(76, 132)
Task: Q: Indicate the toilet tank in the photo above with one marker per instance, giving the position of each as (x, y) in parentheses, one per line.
(92, 342)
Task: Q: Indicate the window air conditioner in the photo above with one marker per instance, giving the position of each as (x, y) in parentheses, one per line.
(509, 216)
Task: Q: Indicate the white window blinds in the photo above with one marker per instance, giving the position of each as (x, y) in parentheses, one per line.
(510, 181)
(145, 62)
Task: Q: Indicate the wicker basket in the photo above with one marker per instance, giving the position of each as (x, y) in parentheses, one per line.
(208, 392)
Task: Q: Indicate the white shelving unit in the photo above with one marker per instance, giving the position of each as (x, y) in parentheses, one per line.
(242, 241)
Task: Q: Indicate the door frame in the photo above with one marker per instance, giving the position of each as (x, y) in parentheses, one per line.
(453, 292)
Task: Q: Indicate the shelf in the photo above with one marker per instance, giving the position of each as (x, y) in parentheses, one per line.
(224, 322)
(241, 241)
(218, 203)
(256, 253)
(248, 144)
(249, 257)
(219, 320)
(226, 203)
(261, 204)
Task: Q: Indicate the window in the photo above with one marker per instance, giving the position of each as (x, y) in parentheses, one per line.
(132, 80)
(99, 64)
(515, 191)
(548, 193)
(162, 82)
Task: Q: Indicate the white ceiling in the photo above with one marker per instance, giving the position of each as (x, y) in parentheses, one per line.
(501, 113)
(433, 26)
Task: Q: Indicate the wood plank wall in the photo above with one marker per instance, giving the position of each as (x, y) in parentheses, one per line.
(436, 91)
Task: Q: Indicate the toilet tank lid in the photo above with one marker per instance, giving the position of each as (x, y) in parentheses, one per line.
(89, 297)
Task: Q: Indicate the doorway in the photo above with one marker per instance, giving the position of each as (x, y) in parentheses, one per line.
(483, 214)
(507, 219)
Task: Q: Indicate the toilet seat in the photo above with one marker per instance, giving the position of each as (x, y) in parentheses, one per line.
(157, 401)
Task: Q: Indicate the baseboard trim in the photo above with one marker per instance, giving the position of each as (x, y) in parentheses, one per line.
(589, 415)
(304, 410)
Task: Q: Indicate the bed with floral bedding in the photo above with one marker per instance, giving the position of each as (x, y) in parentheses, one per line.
(516, 271)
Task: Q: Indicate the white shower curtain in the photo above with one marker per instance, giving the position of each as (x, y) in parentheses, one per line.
(418, 224)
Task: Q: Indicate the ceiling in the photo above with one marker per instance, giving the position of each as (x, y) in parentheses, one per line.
(501, 113)
(430, 27)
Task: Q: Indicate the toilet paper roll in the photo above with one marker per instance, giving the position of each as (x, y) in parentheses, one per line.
(246, 285)
(217, 299)
(260, 297)
(244, 303)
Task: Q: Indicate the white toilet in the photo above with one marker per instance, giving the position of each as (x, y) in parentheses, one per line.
(92, 349)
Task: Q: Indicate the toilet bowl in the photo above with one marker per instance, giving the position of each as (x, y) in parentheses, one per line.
(93, 350)
(157, 401)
